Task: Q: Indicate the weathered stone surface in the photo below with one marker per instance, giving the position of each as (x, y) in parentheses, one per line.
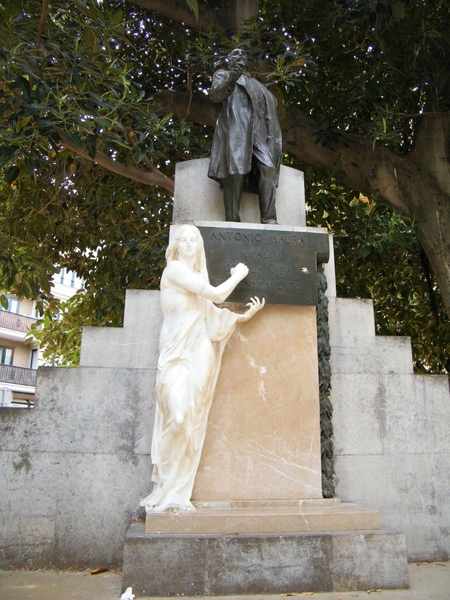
(351, 322)
(135, 345)
(442, 504)
(198, 198)
(411, 478)
(71, 474)
(262, 517)
(391, 431)
(29, 485)
(383, 415)
(369, 560)
(82, 410)
(191, 565)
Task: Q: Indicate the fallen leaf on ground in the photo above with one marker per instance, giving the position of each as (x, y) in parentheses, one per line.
(373, 591)
(98, 570)
(307, 593)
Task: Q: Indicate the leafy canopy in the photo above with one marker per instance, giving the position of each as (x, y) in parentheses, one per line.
(88, 151)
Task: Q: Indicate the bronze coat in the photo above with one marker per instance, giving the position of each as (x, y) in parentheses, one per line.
(247, 126)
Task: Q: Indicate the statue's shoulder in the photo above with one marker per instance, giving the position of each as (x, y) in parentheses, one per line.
(171, 268)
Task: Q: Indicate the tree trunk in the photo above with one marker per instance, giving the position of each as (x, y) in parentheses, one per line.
(418, 182)
(426, 189)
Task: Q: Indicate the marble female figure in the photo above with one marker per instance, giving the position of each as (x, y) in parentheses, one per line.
(193, 336)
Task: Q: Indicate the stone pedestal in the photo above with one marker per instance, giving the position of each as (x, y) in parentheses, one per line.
(261, 525)
(198, 198)
(271, 563)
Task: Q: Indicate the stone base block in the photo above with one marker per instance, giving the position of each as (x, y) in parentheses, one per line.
(265, 517)
(225, 565)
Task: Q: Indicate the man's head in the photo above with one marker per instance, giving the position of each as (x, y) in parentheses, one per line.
(237, 57)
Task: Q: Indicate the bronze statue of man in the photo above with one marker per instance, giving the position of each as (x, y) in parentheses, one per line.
(246, 149)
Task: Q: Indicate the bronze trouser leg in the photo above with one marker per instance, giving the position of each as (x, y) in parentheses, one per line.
(232, 192)
(266, 177)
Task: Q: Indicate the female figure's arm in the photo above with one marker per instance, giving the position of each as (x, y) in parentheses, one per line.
(180, 275)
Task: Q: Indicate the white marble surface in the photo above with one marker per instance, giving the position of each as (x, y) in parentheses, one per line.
(193, 336)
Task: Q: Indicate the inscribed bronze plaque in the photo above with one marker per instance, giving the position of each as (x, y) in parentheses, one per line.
(282, 264)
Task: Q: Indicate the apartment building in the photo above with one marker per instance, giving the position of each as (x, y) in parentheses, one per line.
(18, 360)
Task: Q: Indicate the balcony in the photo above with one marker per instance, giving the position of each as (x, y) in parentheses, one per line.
(16, 322)
(17, 375)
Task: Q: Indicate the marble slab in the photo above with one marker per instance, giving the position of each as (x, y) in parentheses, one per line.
(263, 436)
(322, 516)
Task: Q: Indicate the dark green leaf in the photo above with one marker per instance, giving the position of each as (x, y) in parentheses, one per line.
(7, 154)
(12, 173)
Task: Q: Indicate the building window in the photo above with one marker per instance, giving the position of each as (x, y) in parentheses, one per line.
(34, 358)
(13, 305)
(70, 278)
(6, 355)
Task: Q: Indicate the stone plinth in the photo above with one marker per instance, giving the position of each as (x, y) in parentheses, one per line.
(197, 197)
(225, 565)
(263, 436)
(265, 517)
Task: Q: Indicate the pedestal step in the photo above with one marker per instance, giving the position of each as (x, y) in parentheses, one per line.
(265, 517)
(225, 565)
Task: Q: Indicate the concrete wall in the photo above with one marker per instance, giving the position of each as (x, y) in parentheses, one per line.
(72, 470)
(391, 431)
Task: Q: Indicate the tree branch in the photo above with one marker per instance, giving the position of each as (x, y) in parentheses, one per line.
(178, 10)
(351, 161)
(196, 107)
(148, 163)
(42, 20)
(153, 178)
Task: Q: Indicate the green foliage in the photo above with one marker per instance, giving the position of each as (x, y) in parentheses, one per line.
(57, 208)
(380, 64)
(75, 84)
(378, 257)
(58, 331)
(366, 68)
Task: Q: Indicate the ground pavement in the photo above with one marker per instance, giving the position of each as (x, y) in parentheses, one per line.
(428, 581)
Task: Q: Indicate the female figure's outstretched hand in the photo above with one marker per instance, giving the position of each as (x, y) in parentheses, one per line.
(254, 306)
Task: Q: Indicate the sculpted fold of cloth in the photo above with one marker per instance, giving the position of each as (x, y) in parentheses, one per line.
(246, 149)
(193, 336)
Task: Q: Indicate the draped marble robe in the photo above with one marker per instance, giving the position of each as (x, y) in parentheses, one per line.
(188, 366)
(193, 336)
